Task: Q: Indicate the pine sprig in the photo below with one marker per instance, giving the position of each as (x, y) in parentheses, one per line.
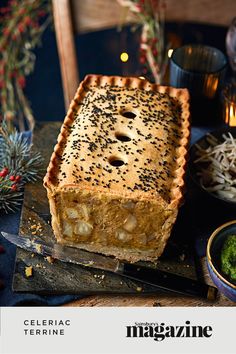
(10, 201)
(18, 164)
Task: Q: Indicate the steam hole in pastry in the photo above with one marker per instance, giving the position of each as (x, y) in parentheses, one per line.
(128, 114)
(116, 161)
(122, 137)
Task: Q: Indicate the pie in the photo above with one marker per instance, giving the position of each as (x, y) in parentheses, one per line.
(115, 179)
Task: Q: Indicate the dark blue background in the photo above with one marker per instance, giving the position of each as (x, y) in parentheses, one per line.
(98, 53)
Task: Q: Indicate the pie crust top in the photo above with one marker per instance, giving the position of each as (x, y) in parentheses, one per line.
(123, 135)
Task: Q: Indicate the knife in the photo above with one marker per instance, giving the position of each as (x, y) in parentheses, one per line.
(160, 279)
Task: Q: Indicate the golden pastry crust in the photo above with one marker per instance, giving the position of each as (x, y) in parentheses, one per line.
(105, 111)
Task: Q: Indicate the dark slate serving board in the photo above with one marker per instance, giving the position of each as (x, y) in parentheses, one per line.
(65, 278)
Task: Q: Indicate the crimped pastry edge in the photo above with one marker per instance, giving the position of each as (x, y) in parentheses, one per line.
(130, 82)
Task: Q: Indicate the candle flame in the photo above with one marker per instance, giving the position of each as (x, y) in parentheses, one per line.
(170, 51)
(232, 116)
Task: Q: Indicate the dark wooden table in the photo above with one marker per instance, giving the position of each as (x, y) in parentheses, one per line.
(62, 278)
(153, 300)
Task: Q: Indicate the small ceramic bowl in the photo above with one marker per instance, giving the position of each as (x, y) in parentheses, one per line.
(214, 247)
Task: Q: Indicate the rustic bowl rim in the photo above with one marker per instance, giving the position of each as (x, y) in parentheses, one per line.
(208, 253)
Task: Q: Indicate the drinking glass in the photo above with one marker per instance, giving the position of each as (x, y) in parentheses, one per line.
(201, 69)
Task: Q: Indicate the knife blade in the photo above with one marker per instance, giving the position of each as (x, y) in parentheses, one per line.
(160, 279)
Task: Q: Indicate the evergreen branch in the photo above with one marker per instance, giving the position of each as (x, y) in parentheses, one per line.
(10, 202)
(18, 164)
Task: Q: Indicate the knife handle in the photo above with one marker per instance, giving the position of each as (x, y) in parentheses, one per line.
(168, 281)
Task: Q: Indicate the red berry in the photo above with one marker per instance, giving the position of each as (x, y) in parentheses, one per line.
(6, 31)
(21, 81)
(41, 13)
(22, 11)
(4, 172)
(17, 178)
(14, 36)
(27, 21)
(142, 59)
(154, 52)
(14, 73)
(4, 10)
(144, 71)
(12, 178)
(35, 24)
(1, 249)
(21, 27)
(14, 187)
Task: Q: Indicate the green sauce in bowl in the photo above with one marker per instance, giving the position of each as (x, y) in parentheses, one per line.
(228, 257)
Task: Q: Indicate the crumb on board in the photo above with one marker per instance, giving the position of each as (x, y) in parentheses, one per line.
(100, 277)
(38, 248)
(36, 227)
(29, 271)
(49, 259)
(38, 265)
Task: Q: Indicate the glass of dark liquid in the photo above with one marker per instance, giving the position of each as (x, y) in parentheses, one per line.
(201, 69)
